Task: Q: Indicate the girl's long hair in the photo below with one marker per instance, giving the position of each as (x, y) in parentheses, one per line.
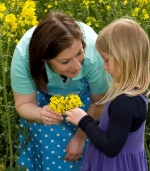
(128, 44)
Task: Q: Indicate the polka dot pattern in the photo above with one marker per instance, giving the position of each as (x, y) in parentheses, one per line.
(47, 146)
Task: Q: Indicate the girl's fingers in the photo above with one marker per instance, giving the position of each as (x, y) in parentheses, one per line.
(68, 113)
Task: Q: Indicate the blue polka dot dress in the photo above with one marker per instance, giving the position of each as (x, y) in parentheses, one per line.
(43, 147)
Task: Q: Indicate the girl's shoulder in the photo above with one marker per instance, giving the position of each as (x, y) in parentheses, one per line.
(133, 104)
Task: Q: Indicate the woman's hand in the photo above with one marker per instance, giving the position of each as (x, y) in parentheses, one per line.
(75, 115)
(49, 117)
(74, 149)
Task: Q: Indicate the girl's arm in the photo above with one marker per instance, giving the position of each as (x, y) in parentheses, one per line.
(126, 115)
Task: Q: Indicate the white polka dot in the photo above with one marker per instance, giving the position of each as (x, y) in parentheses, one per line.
(20, 136)
(58, 145)
(43, 98)
(37, 146)
(47, 158)
(28, 159)
(65, 161)
(21, 125)
(35, 159)
(64, 139)
(40, 141)
(38, 156)
(41, 152)
(88, 98)
(52, 141)
(51, 129)
(46, 147)
(52, 152)
(30, 128)
(59, 157)
(38, 92)
(69, 134)
(24, 152)
(42, 162)
(59, 167)
(53, 162)
(83, 105)
(28, 149)
(64, 150)
(35, 135)
(39, 166)
(38, 103)
(47, 168)
(22, 163)
(71, 166)
(32, 165)
(57, 135)
(40, 130)
(46, 135)
(34, 124)
(27, 169)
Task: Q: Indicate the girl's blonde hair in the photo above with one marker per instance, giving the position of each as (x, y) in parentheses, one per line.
(127, 42)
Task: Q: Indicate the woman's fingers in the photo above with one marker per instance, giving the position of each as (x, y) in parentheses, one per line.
(50, 117)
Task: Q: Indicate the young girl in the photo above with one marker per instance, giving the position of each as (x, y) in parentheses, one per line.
(117, 143)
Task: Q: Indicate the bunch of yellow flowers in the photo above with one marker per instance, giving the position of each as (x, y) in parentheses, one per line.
(60, 104)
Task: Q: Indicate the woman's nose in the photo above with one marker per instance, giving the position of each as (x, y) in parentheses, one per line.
(77, 65)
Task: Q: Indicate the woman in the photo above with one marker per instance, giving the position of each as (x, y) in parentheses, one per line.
(58, 56)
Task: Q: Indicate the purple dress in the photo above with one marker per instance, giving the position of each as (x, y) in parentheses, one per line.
(131, 158)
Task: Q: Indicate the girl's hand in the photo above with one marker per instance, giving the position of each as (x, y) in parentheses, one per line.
(75, 115)
(49, 117)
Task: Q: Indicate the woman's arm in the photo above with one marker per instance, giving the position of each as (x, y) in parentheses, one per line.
(27, 107)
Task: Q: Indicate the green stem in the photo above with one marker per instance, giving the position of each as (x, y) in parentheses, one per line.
(7, 109)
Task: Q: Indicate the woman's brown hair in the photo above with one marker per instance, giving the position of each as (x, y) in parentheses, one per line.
(53, 34)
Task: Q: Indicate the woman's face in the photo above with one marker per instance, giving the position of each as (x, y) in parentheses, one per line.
(69, 61)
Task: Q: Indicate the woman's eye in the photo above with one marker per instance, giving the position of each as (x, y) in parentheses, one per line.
(65, 62)
(79, 53)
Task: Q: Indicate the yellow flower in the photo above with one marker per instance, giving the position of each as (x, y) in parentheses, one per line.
(60, 103)
(108, 7)
(125, 2)
(2, 7)
(49, 6)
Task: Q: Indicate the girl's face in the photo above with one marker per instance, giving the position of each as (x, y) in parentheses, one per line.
(109, 65)
(69, 61)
